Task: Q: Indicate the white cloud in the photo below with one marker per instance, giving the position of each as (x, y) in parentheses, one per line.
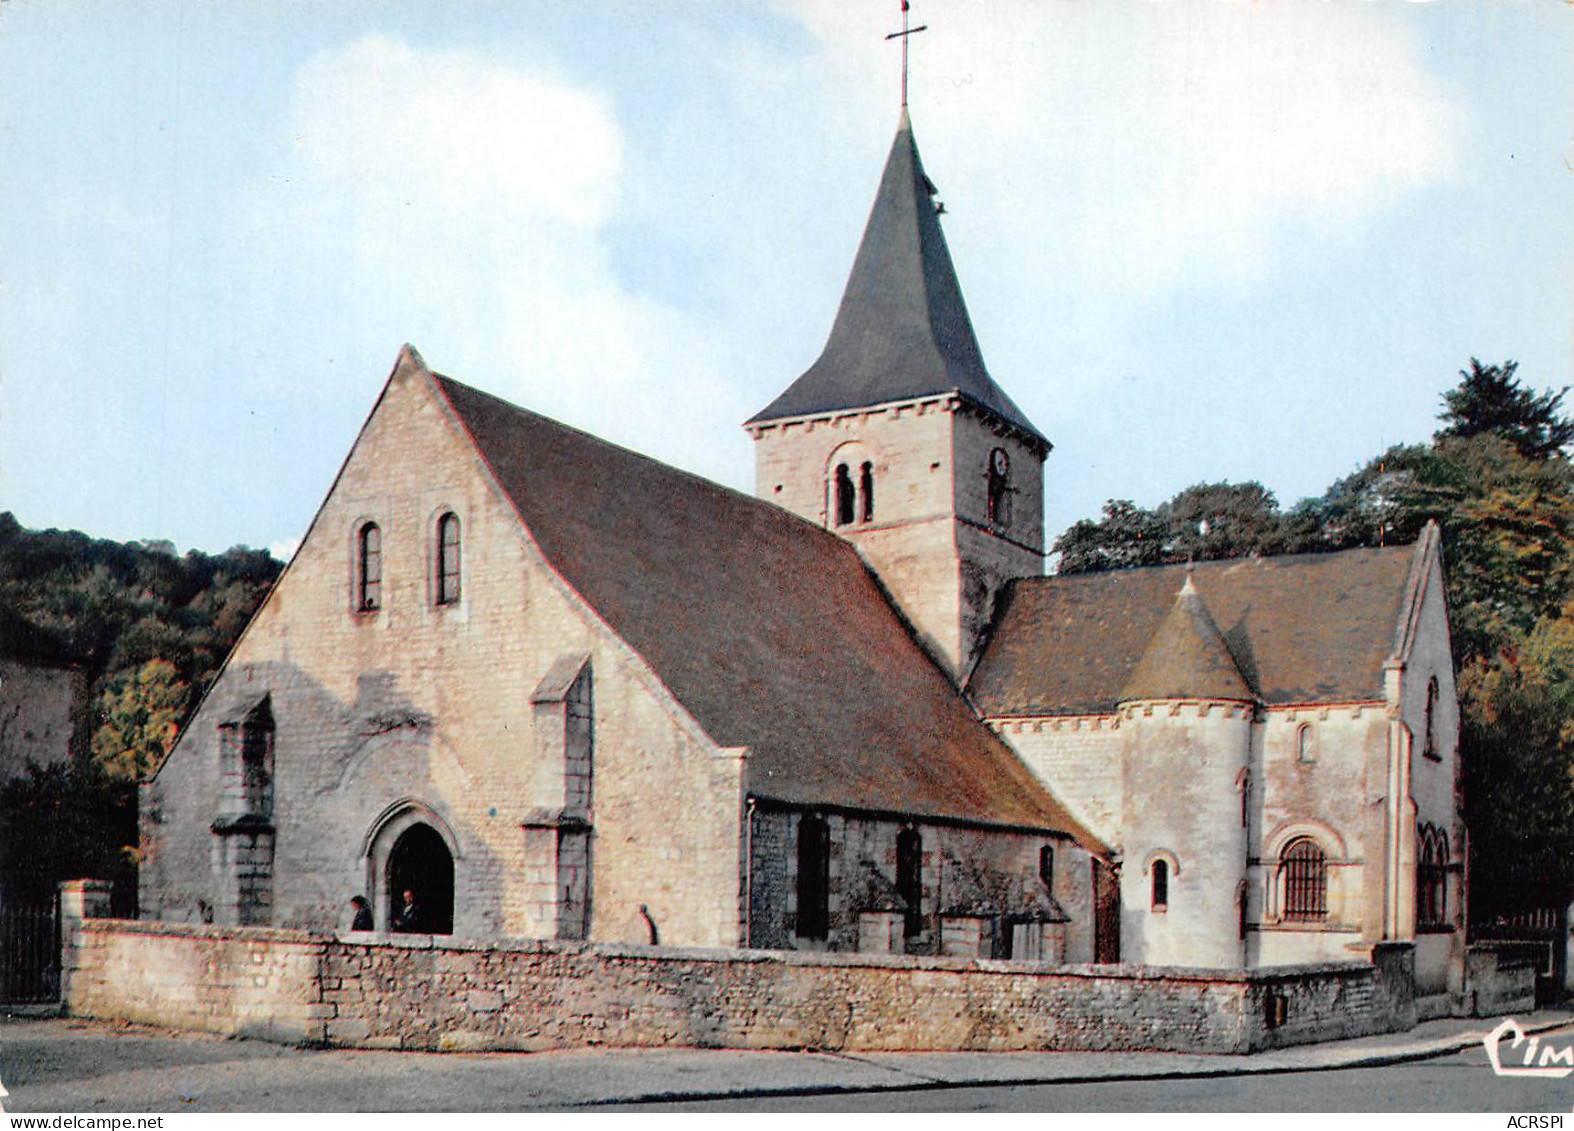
(1169, 143)
(443, 198)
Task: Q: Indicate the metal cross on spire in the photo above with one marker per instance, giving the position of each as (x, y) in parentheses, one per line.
(903, 36)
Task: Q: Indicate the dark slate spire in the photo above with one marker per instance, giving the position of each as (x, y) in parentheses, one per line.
(1187, 657)
(902, 330)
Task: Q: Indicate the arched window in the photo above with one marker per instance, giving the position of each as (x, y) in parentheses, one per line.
(844, 496)
(999, 487)
(1046, 867)
(1305, 748)
(448, 559)
(1430, 749)
(369, 569)
(1161, 884)
(1432, 878)
(866, 493)
(1303, 870)
(814, 878)
(910, 879)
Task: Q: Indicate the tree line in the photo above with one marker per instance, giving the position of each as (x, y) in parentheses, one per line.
(1496, 478)
(148, 630)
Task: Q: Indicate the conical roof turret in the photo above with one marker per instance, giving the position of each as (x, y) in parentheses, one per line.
(902, 330)
(1188, 657)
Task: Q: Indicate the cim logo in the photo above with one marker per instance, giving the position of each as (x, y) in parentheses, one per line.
(1554, 1062)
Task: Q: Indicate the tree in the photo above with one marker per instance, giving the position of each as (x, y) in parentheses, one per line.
(1126, 536)
(1491, 399)
(140, 718)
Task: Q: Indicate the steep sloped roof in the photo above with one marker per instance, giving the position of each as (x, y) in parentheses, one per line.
(1301, 628)
(902, 330)
(1187, 657)
(768, 630)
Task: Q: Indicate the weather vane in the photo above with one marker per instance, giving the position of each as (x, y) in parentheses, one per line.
(903, 36)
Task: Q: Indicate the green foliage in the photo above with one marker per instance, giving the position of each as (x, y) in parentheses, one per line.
(64, 822)
(1490, 399)
(139, 720)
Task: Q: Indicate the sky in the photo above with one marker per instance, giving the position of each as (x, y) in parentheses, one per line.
(1199, 241)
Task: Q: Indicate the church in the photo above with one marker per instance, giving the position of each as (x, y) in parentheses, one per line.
(555, 689)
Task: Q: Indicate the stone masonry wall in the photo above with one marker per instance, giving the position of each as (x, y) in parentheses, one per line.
(406, 992)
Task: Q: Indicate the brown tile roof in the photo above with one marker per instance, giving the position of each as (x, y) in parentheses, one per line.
(768, 630)
(1187, 658)
(1304, 628)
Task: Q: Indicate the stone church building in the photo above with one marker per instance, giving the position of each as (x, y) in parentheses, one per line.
(556, 689)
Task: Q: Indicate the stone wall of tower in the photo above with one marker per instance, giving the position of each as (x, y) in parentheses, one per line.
(929, 534)
(1183, 765)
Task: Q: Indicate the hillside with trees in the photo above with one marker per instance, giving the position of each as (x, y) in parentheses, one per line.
(1497, 480)
(150, 630)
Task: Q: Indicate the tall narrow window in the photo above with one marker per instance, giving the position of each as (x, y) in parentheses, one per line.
(1246, 802)
(1161, 884)
(814, 878)
(866, 493)
(1430, 749)
(1303, 870)
(999, 498)
(1046, 867)
(1432, 878)
(448, 559)
(1305, 751)
(844, 496)
(369, 592)
(910, 879)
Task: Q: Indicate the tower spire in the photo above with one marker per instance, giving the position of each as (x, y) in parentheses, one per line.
(904, 35)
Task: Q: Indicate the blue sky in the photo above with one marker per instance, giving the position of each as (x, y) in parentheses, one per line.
(1199, 241)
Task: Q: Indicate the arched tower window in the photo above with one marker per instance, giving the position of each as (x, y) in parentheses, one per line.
(999, 488)
(1305, 748)
(1161, 884)
(814, 878)
(369, 569)
(1432, 878)
(448, 559)
(866, 493)
(1046, 867)
(1430, 749)
(844, 496)
(1304, 872)
(910, 879)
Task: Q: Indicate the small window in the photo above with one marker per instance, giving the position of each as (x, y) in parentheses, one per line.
(814, 878)
(910, 879)
(1161, 884)
(1304, 871)
(999, 488)
(369, 585)
(448, 559)
(866, 493)
(1246, 802)
(1430, 749)
(1305, 747)
(1046, 867)
(844, 496)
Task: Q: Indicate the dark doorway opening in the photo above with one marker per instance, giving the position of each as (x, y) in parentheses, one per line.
(421, 864)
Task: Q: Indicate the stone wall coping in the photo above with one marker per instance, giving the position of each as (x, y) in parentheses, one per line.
(722, 955)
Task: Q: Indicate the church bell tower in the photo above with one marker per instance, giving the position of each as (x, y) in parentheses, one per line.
(897, 438)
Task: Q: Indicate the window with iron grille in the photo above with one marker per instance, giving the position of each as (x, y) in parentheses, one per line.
(369, 595)
(1304, 872)
(448, 559)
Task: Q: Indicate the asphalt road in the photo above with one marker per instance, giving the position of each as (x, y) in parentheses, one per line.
(66, 1066)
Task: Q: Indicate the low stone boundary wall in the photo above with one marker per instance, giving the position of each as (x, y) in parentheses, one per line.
(419, 993)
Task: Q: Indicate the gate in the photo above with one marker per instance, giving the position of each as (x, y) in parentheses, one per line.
(30, 953)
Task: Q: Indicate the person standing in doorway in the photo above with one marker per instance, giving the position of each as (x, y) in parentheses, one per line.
(407, 916)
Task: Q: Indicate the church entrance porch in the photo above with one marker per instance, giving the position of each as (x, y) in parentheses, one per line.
(412, 850)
